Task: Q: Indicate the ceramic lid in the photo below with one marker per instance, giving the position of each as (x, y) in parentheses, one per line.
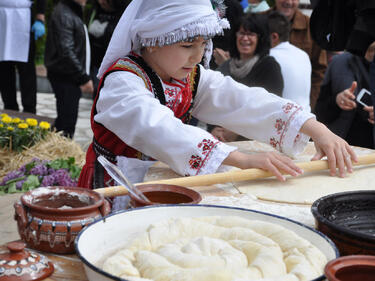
(20, 264)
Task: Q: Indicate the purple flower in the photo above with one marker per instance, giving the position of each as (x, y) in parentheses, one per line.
(19, 184)
(48, 181)
(11, 175)
(39, 170)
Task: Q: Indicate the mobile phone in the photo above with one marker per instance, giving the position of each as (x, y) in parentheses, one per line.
(364, 97)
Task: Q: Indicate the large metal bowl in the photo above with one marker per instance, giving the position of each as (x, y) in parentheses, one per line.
(348, 218)
(102, 237)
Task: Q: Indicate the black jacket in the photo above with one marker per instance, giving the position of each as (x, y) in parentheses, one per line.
(351, 125)
(65, 53)
(343, 24)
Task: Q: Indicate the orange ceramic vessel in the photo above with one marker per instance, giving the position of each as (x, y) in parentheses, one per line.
(351, 268)
(49, 219)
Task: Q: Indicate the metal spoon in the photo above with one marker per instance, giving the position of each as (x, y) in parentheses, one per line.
(116, 174)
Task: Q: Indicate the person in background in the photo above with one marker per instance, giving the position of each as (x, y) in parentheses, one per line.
(346, 75)
(67, 58)
(19, 30)
(300, 37)
(294, 62)
(250, 63)
(222, 42)
(256, 6)
(355, 35)
(103, 19)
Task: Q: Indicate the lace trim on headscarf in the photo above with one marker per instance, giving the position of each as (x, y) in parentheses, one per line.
(206, 27)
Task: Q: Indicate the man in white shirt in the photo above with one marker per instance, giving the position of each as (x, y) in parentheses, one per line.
(294, 62)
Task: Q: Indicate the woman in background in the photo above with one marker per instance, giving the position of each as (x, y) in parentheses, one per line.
(250, 63)
(336, 107)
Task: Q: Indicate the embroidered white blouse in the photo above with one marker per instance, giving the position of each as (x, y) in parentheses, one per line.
(129, 110)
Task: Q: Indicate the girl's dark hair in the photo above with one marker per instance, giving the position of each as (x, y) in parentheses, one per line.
(258, 24)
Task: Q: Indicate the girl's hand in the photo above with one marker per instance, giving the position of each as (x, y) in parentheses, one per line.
(345, 99)
(270, 161)
(370, 110)
(338, 151)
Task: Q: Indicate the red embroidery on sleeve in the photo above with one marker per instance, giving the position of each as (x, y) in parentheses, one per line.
(196, 162)
(298, 137)
(274, 143)
(281, 126)
(288, 107)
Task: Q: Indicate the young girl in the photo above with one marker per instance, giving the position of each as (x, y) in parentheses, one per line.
(151, 83)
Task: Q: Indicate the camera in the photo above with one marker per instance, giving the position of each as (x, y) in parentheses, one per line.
(364, 97)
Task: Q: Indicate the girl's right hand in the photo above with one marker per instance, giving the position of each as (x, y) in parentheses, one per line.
(273, 162)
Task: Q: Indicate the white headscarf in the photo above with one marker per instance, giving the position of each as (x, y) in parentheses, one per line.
(163, 22)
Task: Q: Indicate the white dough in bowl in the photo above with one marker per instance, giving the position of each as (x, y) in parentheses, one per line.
(222, 248)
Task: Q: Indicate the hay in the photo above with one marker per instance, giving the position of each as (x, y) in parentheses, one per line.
(53, 146)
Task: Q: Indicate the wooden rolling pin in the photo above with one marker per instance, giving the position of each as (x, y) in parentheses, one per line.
(231, 176)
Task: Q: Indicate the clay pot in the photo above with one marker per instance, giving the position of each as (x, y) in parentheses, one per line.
(348, 218)
(165, 194)
(49, 218)
(19, 264)
(351, 268)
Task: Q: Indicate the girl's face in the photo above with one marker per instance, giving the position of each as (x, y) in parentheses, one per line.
(176, 60)
(246, 42)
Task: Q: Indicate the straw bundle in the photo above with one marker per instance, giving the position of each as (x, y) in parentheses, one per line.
(53, 146)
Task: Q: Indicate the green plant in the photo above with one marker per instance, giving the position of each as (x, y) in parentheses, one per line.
(62, 172)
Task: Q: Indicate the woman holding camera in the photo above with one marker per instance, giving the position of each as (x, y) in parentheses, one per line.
(337, 108)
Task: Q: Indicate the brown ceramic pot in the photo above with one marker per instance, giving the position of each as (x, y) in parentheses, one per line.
(21, 265)
(351, 268)
(165, 194)
(49, 219)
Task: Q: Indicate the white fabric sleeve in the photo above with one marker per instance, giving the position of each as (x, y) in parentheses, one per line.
(251, 112)
(130, 111)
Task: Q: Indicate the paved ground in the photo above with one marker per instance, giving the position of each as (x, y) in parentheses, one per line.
(46, 106)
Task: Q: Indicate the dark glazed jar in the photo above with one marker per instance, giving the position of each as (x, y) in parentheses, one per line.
(49, 218)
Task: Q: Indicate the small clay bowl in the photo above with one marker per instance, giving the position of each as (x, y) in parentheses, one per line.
(348, 218)
(165, 194)
(351, 268)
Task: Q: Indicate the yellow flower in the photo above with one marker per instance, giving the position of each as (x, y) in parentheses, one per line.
(44, 125)
(23, 126)
(1, 125)
(31, 122)
(16, 120)
(3, 115)
(10, 129)
(6, 119)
